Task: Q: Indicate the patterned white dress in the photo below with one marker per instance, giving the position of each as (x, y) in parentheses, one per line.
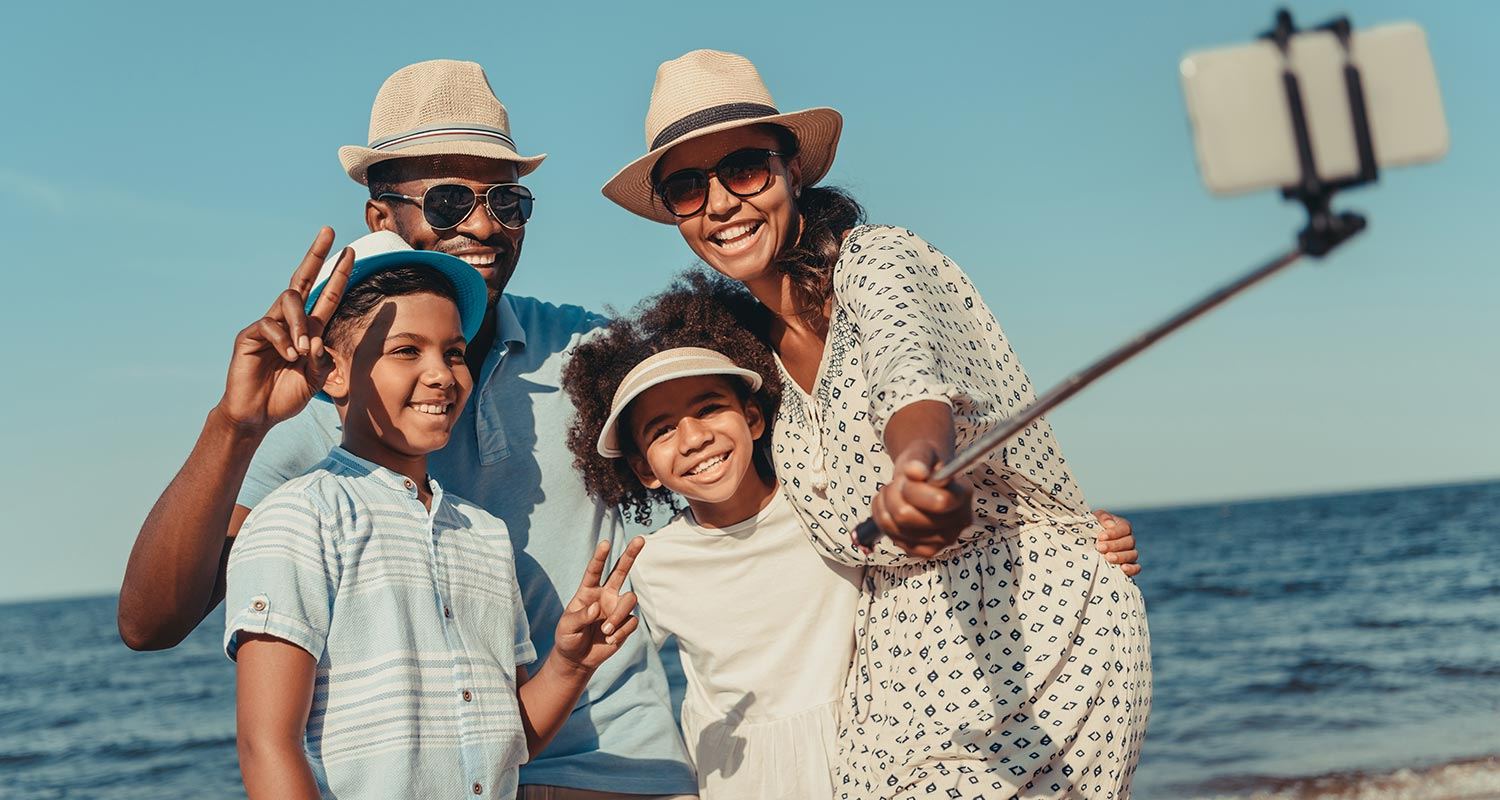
(1015, 664)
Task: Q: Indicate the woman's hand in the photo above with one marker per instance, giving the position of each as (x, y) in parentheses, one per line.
(597, 621)
(922, 518)
(1117, 543)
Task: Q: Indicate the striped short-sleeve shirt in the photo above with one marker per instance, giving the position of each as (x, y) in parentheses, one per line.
(414, 617)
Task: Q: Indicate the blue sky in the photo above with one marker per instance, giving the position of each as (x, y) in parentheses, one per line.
(165, 165)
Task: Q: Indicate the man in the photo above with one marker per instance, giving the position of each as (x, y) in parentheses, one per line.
(438, 136)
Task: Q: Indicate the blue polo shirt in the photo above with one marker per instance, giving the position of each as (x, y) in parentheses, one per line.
(508, 454)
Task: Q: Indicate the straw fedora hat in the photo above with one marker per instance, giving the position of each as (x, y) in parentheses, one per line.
(436, 108)
(704, 92)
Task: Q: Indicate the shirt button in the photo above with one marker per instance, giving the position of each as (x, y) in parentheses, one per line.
(468, 696)
(448, 612)
(259, 605)
(411, 485)
(478, 788)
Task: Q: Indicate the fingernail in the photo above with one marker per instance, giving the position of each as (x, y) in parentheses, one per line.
(1109, 522)
(607, 628)
(1101, 548)
(303, 344)
(291, 352)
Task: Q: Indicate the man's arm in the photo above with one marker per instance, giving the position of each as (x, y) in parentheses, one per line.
(175, 575)
(274, 688)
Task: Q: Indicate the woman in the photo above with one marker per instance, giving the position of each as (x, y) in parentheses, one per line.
(998, 653)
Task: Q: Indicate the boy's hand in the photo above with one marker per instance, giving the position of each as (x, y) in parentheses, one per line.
(1117, 543)
(279, 362)
(920, 517)
(597, 620)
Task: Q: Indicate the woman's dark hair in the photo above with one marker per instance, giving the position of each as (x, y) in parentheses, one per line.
(827, 213)
(699, 309)
(362, 298)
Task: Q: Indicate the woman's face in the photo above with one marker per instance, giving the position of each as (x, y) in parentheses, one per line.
(739, 236)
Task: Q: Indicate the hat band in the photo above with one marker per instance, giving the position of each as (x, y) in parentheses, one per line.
(729, 112)
(444, 133)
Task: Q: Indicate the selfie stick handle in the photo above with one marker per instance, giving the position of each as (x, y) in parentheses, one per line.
(1324, 231)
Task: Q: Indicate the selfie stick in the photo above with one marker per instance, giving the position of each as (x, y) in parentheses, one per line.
(1324, 231)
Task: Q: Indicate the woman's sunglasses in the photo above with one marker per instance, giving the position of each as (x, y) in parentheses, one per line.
(743, 173)
(447, 205)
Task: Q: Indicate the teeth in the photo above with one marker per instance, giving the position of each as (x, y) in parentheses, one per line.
(479, 260)
(734, 232)
(707, 465)
(430, 408)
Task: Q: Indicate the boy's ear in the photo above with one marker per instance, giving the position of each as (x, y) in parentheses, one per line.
(336, 385)
(643, 471)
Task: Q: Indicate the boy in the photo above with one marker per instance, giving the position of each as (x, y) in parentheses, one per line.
(764, 624)
(375, 619)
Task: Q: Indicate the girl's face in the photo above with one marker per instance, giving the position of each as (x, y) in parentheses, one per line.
(696, 436)
(739, 236)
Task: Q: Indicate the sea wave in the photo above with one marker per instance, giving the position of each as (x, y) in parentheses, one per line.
(1463, 779)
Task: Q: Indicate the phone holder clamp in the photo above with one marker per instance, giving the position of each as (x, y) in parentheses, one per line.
(1325, 229)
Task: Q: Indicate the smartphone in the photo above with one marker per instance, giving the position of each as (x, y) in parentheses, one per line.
(1242, 124)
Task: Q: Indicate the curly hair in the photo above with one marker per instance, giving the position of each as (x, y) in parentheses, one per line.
(699, 309)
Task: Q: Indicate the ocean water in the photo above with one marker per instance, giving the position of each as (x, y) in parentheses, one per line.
(1320, 647)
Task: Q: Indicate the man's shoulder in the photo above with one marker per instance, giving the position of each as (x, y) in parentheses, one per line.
(553, 320)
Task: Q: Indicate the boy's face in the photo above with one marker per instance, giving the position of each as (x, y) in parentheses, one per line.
(695, 436)
(403, 381)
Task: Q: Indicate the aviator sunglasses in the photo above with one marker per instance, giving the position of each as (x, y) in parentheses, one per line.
(447, 205)
(743, 173)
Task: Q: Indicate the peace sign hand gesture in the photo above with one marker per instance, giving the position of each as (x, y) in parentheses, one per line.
(597, 621)
(279, 361)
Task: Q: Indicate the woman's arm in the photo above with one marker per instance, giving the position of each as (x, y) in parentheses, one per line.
(921, 518)
(274, 684)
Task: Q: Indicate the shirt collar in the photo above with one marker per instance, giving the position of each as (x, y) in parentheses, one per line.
(507, 324)
(386, 477)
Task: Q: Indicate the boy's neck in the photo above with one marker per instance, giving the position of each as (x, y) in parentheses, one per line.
(412, 467)
(751, 498)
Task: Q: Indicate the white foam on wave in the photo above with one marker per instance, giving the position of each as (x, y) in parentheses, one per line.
(1467, 779)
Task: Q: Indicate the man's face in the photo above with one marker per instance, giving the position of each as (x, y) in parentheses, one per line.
(480, 240)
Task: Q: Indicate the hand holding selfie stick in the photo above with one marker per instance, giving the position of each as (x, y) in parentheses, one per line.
(1325, 230)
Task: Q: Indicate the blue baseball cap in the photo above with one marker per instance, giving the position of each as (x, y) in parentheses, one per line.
(383, 250)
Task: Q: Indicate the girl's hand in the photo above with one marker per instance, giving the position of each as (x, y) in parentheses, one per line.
(597, 621)
(922, 518)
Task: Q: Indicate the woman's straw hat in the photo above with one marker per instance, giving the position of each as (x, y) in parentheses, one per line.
(704, 92)
(436, 108)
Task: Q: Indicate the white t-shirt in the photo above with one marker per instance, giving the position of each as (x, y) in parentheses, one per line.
(765, 626)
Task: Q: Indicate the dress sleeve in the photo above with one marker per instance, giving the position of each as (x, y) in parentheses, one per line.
(926, 334)
(282, 573)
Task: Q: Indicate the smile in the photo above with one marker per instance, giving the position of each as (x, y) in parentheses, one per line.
(478, 259)
(435, 409)
(708, 464)
(735, 237)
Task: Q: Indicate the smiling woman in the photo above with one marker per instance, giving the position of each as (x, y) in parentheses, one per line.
(999, 653)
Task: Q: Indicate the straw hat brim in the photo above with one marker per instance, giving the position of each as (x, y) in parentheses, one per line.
(817, 131)
(357, 160)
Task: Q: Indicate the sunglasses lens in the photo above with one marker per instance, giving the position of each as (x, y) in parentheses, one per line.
(745, 172)
(447, 204)
(511, 204)
(684, 192)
